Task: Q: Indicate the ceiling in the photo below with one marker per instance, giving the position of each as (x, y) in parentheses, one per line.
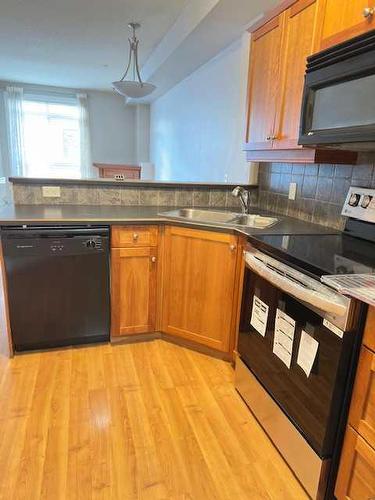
(83, 43)
(77, 43)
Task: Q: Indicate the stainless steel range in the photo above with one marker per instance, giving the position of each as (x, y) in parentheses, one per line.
(299, 340)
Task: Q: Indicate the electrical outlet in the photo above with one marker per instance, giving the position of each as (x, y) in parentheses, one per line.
(292, 190)
(51, 191)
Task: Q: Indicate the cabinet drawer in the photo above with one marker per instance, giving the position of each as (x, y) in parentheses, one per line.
(362, 409)
(134, 236)
(356, 477)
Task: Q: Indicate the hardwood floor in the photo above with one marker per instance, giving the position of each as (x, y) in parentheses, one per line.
(141, 421)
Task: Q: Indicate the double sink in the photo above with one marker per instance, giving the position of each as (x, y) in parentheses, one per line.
(220, 217)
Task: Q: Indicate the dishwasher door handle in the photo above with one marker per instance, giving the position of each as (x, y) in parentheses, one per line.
(296, 284)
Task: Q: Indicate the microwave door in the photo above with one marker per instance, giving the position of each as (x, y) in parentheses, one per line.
(338, 106)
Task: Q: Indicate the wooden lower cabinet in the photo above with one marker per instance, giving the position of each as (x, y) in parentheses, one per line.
(199, 286)
(362, 409)
(356, 479)
(133, 290)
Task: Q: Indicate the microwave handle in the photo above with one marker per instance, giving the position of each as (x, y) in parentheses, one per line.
(291, 287)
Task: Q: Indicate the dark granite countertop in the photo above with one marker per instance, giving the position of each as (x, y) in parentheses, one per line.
(130, 183)
(109, 214)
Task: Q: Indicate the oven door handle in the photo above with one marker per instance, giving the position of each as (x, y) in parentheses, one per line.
(319, 296)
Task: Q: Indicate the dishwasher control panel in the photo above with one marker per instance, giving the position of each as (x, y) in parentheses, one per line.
(20, 246)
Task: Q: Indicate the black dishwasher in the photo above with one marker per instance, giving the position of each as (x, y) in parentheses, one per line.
(58, 285)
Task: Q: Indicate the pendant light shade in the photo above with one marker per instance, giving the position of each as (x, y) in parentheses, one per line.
(134, 88)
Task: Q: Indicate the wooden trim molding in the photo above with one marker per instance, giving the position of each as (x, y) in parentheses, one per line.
(302, 155)
(266, 28)
(276, 11)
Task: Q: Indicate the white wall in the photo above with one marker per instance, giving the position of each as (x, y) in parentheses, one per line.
(112, 127)
(197, 128)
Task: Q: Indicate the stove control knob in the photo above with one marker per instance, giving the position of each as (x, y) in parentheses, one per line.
(90, 244)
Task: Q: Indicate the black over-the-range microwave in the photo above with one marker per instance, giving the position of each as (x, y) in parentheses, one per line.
(338, 105)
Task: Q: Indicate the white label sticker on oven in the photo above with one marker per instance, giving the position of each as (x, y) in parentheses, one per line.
(308, 347)
(284, 336)
(333, 328)
(259, 316)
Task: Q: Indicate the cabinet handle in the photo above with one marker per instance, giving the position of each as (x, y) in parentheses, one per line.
(135, 236)
(232, 247)
(153, 259)
(368, 12)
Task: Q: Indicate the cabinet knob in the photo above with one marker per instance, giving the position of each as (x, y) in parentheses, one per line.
(274, 137)
(232, 247)
(268, 137)
(135, 236)
(153, 259)
(368, 12)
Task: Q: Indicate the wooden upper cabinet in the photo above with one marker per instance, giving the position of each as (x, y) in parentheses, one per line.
(199, 286)
(356, 477)
(278, 53)
(263, 84)
(133, 290)
(344, 19)
(299, 41)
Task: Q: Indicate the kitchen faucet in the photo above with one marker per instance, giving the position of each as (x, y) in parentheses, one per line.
(244, 196)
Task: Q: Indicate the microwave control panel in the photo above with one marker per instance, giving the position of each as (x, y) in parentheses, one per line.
(360, 204)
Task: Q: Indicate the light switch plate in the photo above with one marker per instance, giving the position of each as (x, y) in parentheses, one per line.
(292, 190)
(51, 191)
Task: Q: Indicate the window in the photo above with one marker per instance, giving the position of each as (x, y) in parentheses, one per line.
(51, 137)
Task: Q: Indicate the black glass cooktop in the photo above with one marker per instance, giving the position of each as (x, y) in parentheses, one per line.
(321, 254)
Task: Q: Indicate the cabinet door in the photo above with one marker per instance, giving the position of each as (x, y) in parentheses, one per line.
(344, 19)
(133, 290)
(199, 286)
(369, 333)
(362, 409)
(263, 84)
(298, 42)
(356, 477)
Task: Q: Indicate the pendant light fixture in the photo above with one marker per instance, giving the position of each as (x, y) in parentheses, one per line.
(134, 88)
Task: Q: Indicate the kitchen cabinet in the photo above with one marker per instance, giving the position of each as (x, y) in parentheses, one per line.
(134, 269)
(264, 84)
(278, 60)
(278, 53)
(298, 43)
(199, 286)
(342, 20)
(356, 477)
(362, 411)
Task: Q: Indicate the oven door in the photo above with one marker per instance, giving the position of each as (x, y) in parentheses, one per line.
(311, 400)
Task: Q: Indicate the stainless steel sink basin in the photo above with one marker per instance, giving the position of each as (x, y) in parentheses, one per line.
(194, 214)
(254, 220)
(220, 217)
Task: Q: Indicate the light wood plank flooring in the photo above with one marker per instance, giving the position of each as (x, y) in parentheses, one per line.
(142, 421)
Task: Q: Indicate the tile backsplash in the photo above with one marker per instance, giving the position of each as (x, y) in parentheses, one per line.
(321, 189)
(78, 194)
